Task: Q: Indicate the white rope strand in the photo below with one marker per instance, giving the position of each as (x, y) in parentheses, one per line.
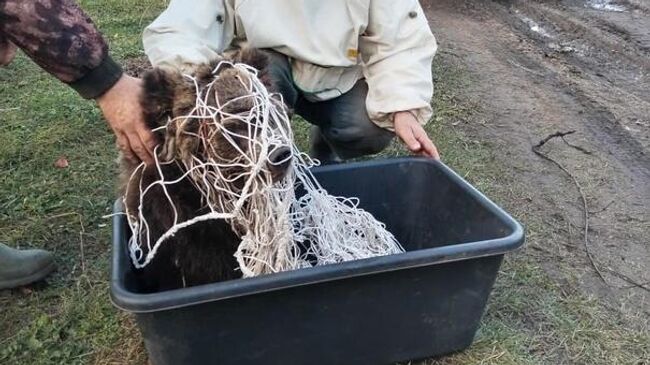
(279, 231)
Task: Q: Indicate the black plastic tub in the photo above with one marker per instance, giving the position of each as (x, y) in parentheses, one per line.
(422, 303)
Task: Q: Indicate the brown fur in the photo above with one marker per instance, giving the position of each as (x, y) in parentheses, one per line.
(201, 253)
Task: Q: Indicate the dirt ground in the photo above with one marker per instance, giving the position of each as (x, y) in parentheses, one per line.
(541, 67)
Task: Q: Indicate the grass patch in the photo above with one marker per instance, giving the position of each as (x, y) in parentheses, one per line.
(70, 320)
(530, 318)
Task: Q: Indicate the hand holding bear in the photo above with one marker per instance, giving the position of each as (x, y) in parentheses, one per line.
(123, 112)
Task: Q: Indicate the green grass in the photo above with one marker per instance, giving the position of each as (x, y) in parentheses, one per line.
(71, 320)
(530, 319)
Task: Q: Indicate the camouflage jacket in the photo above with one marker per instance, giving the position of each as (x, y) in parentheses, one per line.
(61, 38)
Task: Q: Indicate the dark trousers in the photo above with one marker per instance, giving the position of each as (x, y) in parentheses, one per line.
(342, 127)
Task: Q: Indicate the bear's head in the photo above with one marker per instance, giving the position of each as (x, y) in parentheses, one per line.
(226, 127)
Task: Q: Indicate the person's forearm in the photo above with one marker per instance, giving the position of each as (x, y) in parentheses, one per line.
(61, 38)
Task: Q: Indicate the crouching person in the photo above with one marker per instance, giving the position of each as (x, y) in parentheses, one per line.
(359, 71)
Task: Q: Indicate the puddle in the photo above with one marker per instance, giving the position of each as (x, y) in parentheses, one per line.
(605, 5)
(534, 26)
(562, 48)
(569, 47)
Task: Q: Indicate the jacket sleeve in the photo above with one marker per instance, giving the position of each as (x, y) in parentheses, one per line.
(397, 49)
(61, 39)
(189, 32)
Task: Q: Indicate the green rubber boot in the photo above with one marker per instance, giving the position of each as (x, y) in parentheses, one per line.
(22, 267)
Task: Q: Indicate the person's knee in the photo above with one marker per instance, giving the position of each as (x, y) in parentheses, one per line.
(359, 139)
(379, 142)
(375, 142)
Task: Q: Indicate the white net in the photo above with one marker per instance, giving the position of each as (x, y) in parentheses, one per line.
(279, 231)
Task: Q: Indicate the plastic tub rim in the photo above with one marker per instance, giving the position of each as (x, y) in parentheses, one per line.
(178, 298)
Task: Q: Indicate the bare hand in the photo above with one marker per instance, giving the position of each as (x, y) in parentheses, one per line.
(122, 110)
(7, 51)
(409, 130)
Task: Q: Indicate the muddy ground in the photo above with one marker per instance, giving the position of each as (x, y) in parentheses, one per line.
(541, 67)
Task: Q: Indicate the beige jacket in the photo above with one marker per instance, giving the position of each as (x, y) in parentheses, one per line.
(331, 45)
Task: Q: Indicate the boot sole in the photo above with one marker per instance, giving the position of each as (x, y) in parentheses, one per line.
(37, 276)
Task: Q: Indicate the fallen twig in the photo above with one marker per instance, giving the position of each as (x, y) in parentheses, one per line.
(581, 149)
(629, 280)
(586, 211)
(637, 285)
(526, 68)
(582, 195)
(550, 137)
(82, 232)
(81, 245)
(603, 208)
(68, 214)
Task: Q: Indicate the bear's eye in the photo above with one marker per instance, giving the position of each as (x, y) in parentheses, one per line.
(236, 126)
(238, 132)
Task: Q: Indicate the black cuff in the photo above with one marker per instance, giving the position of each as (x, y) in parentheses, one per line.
(98, 80)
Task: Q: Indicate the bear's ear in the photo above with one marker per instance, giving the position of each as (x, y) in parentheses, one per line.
(157, 98)
(259, 60)
(252, 57)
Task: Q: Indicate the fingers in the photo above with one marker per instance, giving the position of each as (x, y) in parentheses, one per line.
(428, 148)
(136, 145)
(417, 141)
(148, 142)
(122, 143)
(414, 136)
(148, 139)
(121, 108)
(407, 135)
(139, 149)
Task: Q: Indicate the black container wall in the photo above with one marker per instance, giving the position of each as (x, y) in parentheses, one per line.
(425, 302)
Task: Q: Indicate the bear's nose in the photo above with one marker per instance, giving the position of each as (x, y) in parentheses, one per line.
(280, 156)
(279, 162)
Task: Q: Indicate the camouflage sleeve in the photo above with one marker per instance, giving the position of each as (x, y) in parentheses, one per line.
(61, 38)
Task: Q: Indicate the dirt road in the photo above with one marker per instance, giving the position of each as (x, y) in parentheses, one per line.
(543, 67)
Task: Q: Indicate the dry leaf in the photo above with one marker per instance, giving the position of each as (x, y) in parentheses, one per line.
(61, 163)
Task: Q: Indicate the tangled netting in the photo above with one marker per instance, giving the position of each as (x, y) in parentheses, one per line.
(279, 230)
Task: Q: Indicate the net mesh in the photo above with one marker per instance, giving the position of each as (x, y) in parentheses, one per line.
(279, 230)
